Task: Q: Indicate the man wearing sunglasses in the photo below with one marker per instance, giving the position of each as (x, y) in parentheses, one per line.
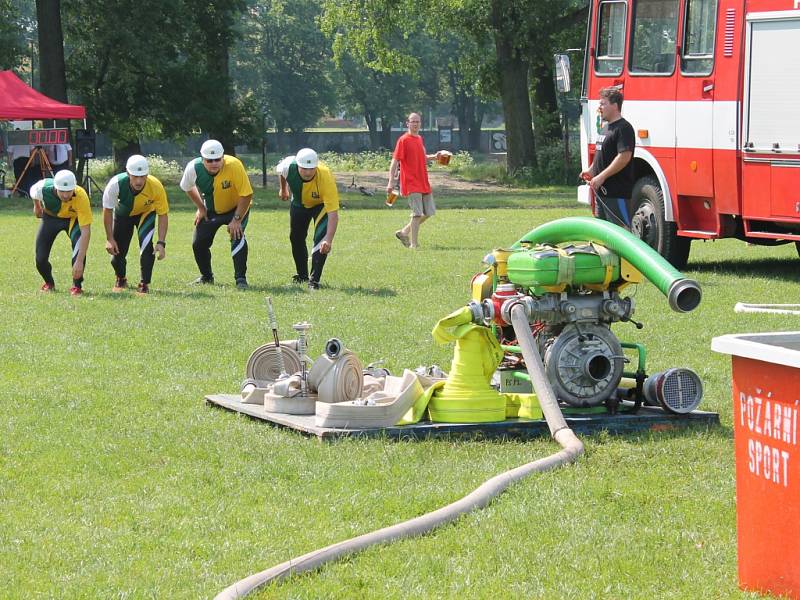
(220, 189)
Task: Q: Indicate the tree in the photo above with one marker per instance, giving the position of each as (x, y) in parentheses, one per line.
(515, 29)
(284, 61)
(465, 60)
(382, 98)
(214, 21)
(52, 70)
(12, 43)
(137, 79)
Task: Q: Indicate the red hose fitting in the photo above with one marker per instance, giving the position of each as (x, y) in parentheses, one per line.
(503, 293)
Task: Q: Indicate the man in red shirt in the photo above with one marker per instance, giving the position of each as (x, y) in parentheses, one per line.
(411, 160)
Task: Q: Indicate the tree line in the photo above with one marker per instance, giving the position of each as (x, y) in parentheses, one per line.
(231, 68)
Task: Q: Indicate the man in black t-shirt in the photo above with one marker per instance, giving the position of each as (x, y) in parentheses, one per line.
(611, 174)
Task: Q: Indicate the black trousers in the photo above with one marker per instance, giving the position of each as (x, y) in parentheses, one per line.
(49, 229)
(300, 218)
(204, 236)
(123, 233)
(33, 174)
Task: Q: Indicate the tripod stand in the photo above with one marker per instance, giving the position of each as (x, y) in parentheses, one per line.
(44, 165)
(86, 180)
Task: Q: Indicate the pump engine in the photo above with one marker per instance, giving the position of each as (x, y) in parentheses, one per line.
(572, 296)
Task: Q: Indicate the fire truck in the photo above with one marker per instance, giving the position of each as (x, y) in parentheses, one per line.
(712, 90)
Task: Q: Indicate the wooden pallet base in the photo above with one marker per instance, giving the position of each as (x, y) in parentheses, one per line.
(647, 418)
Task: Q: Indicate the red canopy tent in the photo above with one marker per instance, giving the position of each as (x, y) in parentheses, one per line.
(19, 101)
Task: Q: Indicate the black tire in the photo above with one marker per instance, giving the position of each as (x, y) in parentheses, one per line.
(651, 226)
(797, 247)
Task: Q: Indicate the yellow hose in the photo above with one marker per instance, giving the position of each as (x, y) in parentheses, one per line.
(467, 396)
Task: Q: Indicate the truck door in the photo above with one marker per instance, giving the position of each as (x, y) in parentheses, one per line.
(650, 87)
(694, 110)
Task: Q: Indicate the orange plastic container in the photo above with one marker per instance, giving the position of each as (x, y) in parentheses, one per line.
(766, 417)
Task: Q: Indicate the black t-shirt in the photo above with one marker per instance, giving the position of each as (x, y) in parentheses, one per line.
(619, 138)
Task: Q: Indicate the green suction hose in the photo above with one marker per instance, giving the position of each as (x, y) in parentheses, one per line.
(682, 293)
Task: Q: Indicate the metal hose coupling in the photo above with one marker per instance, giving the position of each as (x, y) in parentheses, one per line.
(477, 311)
(684, 295)
(333, 348)
(528, 304)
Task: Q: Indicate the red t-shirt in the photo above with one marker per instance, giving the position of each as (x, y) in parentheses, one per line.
(410, 152)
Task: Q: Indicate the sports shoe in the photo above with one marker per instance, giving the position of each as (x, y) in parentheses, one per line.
(143, 288)
(298, 279)
(203, 281)
(75, 291)
(241, 283)
(120, 285)
(48, 287)
(313, 285)
(403, 238)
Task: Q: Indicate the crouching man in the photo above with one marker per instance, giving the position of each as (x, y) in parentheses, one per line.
(312, 189)
(62, 205)
(135, 199)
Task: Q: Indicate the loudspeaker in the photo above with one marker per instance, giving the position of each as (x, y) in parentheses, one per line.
(84, 143)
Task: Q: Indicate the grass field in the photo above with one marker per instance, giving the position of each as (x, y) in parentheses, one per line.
(118, 481)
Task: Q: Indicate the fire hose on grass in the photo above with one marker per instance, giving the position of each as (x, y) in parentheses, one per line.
(571, 450)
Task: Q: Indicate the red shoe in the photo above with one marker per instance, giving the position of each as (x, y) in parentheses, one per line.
(48, 287)
(120, 285)
(143, 288)
(75, 291)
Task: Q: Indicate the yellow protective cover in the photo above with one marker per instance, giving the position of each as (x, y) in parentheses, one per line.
(467, 396)
(524, 406)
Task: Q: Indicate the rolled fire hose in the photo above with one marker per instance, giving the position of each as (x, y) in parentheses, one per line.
(264, 364)
(571, 450)
(339, 379)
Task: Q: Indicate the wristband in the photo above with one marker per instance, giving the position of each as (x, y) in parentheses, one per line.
(161, 243)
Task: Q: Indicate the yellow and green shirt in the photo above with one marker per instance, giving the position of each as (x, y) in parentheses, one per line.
(220, 192)
(119, 196)
(77, 207)
(320, 189)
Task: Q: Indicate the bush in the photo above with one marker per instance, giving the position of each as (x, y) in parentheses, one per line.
(167, 171)
(550, 169)
(360, 161)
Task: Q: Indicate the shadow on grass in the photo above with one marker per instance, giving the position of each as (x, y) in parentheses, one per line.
(675, 430)
(131, 294)
(771, 267)
(290, 289)
(456, 246)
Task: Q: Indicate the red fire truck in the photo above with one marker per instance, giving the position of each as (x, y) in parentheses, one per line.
(712, 89)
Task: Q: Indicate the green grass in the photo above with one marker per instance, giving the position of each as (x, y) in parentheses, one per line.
(118, 481)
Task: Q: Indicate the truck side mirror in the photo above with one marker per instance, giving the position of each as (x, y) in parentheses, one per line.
(563, 84)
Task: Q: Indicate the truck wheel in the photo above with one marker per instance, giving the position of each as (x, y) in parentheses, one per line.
(651, 226)
(797, 247)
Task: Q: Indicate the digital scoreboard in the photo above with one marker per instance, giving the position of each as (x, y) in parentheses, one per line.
(39, 137)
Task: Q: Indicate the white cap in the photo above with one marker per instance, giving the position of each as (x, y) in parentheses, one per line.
(211, 149)
(137, 165)
(64, 181)
(307, 158)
